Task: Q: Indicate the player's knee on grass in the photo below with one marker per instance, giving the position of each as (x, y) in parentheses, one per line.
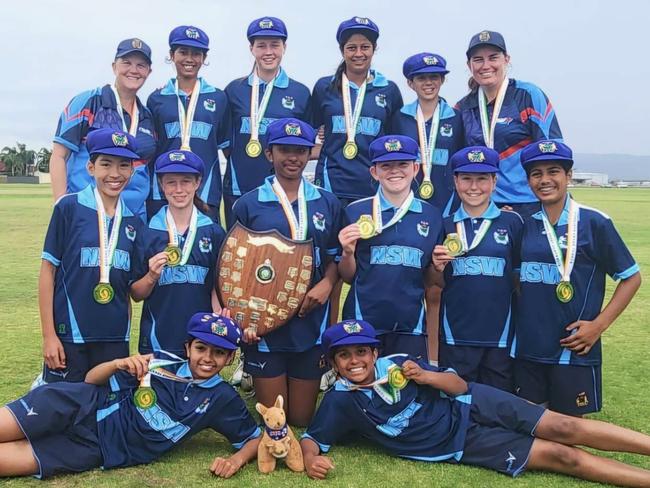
(558, 427)
(553, 456)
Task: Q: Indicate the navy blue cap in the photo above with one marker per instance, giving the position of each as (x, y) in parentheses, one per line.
(546, 150)
(179, 161)
(486, 38)
(290, 131)
(188, 35)
(266, 27)
(357, 25)
(215, 329)
(134, 45)
(112, 142)
(475, 159)
(348, 332)
(424, 63)
(393, 148)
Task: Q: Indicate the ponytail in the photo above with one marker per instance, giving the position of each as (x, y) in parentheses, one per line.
(201, 205)
(472, 84)
(337, 82)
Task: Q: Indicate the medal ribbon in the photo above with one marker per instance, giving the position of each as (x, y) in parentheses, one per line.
(381, 386)
(135, 114)
(156, 369)
(107, 243)
(298, 227)
(185, 119)
(399, 213)
(427, 145)
(478, 236)
(352, 115)
(258, 108)
(191, 234)
(564, 266)
(488, 126)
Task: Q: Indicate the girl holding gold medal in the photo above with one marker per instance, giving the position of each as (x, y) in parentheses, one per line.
(391, 241)
(566, 252)
(255, 101)
(288, 361)
(178, 258)
(355, 106)
(505, 115)
(191, 115)
(87, 265)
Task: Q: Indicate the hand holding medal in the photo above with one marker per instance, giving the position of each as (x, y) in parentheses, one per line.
(454, 245)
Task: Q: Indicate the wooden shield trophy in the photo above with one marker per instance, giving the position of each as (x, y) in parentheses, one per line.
(263, 277)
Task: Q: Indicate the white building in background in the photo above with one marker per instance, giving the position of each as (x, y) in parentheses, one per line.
(590, 179)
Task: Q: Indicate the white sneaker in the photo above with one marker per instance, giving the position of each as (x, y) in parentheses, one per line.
(327, 380)
(38, 381)
(246, 384)
(238, 373)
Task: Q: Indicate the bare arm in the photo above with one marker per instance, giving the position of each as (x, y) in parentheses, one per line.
(316, 465)
(449, 383)
(137, 365)
(58, 172)
(321, 291)
(348, 238)
(53, 353)
(142, 288)
(226, 467)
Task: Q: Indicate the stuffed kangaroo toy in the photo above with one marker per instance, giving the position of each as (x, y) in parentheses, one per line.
(278, 440)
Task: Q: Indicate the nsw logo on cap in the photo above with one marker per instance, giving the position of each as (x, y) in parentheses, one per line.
(430, 60)
(292, 129)
(362, 20)
(352, 327)
(192, 33)
(219, 328)
(136, 44)
(547, 147)
(119, 139)
(392, 145)
(476, 156)
(266, 24)
(177, 156)
(484, 36)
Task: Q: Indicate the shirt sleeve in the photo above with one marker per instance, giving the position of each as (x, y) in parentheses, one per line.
(330, 423)
(611, 253)
(75, 120)
(540, 115)
(315, 107)
(396, 104)
(140, 258)
(334, 246)
(225, 125)
(55, 238)
(230, 418)
(240, 211)
(122, 381)
(517, 235)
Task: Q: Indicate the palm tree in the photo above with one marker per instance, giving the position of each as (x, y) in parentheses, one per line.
(43, 160)
(17, 159)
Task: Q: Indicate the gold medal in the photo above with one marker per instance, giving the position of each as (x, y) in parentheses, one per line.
(454, 245)
(145, 397)
(173, 255)
(366, 226)
(103, 293)
(396, 378)
(253, 148)
(426, 190)
(350, 150)
(564, 291)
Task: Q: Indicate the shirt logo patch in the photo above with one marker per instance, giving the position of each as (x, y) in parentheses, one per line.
(423, 228)
(144, 130)
(210, 105)
(562, 241)
(203, 407)
(582, 400)
(380, 100)
(129, 230)
(446, 130)
(504, 120)
(60, 328)
(509, 460)
(319, 221)
(288, 102)
(205, 244)
(260, 365)
(501, 236)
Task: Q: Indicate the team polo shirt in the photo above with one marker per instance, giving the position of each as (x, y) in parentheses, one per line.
(350, 178)
(388, 287)
(181, 291)
(526, 116)
(449, 140)
(477, 297)
(541, 317)
(210, 132)
(129, 435)
(260, 210)
(72, 246)
(288, 99)
(424, 424)
(97, 109)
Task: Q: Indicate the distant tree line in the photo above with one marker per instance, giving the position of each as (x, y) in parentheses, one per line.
(20, 161)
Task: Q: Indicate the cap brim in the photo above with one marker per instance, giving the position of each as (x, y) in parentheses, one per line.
(214, 340)
(191, 43)
(353, 340)
(126, 53)
(291, 141)
(268, 33)
(481, 44)
(395, 156)
(117, 151)
(345, 34)
(548, 157)
(177, 168)
(477, 168)
(428, 69)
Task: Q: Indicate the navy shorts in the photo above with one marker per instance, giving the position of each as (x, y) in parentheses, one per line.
(308, 365)
(81, 358)
(566, 388)
(501, 430)
(487, 365)
(60, 423)
(400, 343)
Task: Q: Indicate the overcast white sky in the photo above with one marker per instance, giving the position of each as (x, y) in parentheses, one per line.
(590, 57)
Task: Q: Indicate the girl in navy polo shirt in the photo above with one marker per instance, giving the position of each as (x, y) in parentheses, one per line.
(192, 115)
(255, 101)
(287, 361)
(115, 106)
(478, 262)
(87, 265)
(387, 250)
(416, 411)
(179, 255)
(355, 106)
(132, 410)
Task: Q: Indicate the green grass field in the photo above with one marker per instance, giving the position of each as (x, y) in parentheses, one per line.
(24, 213)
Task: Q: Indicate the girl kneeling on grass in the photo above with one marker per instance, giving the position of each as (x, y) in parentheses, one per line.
(110, 421)
(426, 413)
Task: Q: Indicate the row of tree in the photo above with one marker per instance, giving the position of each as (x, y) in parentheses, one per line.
(20, 161)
